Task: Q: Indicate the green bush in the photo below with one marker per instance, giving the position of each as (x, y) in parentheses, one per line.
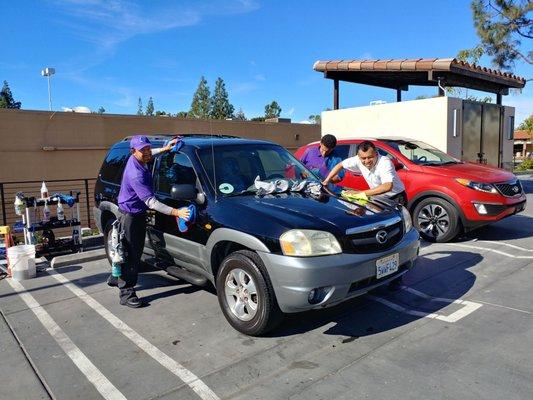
(525, 165)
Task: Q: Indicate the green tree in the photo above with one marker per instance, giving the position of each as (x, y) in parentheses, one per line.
(181, 114)
(257, 119)
(272, 110)
(501, 25)
(140, 107)
(6, 98)
(201, 101)
(221, 108)
(101, 110)
(150, 107)
(158, 113)
(315, 118)
(240, 115)
(527, 124)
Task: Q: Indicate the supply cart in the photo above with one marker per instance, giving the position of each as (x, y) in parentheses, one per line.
(33, 223)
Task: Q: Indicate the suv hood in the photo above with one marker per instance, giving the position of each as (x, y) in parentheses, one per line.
(272, 215)
(473, 171)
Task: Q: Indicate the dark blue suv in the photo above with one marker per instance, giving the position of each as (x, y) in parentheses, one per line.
(266, 253)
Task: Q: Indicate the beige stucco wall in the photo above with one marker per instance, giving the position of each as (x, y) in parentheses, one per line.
(425, 120)
(429, 120)
(81, 140)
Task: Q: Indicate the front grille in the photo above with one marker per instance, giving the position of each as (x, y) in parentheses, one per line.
(509, 189)
(367, 242)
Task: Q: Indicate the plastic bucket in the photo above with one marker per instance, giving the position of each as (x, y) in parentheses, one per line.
(22, 261)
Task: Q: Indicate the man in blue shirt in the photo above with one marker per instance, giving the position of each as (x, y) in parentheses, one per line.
(136, 196)
(322, 159)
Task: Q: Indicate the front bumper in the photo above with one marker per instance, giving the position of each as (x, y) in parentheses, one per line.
(344, 275)
(483, 211)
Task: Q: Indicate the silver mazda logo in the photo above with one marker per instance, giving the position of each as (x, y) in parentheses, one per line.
(515, 189)
(381, 236)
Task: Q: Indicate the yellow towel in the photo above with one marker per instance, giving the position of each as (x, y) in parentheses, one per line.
(358, 197)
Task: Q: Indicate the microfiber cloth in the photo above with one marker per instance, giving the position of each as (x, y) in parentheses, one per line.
(179, 144)
(183, 224)
(359, 197)
(66, 198)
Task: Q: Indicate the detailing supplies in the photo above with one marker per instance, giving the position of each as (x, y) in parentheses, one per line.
(44, 191)
(46, 212)
(66, 198)
(20, 206)
(116, 251)
(60, 211)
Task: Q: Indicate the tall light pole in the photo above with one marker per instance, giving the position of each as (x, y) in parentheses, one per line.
(48, 72)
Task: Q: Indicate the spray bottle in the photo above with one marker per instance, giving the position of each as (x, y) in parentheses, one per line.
(44, 191)
(117, 255)
(19, 205)
(60, 211)
(46, 212)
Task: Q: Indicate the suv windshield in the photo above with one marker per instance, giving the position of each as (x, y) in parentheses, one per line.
(236, 167)
(421, 153)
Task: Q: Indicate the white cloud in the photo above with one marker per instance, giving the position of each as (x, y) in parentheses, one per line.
(107, 23)
(290, 112)
(259, 77)
(243, 87)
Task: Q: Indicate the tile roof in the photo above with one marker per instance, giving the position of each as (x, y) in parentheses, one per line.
(458, 71)
(522, 135)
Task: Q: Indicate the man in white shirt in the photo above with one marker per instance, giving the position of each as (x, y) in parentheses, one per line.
(378, 171)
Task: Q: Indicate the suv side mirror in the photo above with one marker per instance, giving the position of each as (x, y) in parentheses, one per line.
(183, 192)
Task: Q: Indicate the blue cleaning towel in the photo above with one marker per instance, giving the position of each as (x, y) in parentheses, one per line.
(179, 144)
(66, 198)
(183, 224)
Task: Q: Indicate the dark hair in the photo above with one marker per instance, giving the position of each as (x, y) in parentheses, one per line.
(329, 141)
(365, 146)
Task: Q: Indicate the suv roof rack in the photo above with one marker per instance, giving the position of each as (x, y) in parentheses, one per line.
(165, 136)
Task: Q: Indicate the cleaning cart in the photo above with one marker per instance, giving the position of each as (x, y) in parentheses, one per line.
(38, 219)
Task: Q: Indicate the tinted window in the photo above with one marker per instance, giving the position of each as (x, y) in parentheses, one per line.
(238, 166)
(114, 164)
(174, 169)
(342, 151)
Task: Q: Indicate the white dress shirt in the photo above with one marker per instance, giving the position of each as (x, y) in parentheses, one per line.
(382, 172)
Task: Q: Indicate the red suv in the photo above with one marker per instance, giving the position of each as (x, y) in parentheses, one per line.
(446, 196)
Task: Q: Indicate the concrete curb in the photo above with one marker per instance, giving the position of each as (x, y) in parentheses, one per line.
(78, 258)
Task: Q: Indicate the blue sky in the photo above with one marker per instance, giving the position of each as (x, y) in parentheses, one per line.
(110, 53)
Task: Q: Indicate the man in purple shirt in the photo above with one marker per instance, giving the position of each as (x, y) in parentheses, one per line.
(136, 196)
(322, 159)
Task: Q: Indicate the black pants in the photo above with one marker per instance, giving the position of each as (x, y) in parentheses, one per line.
(134, 227)
(400, 198)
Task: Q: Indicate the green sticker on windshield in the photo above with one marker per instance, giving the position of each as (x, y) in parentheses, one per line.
(226, 188)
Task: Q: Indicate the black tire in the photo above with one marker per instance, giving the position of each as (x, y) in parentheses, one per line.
(436, 219)
(107, 231)
(267, 314)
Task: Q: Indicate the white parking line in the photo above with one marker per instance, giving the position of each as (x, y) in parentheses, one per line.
(506, 244)
(93, 374)
(468, 306)
(195, 383)
(487, 249)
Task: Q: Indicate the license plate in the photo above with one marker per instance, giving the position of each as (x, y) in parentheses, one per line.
(387, 265)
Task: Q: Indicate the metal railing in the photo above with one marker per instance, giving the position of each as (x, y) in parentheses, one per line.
(85, 186)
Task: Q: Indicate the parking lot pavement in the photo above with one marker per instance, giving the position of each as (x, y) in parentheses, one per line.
(461, 327)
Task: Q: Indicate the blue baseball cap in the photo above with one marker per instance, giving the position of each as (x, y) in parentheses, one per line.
(138, 142)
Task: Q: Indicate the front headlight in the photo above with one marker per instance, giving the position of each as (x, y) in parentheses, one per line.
(407, 221)
(482, 187)
(306, 243)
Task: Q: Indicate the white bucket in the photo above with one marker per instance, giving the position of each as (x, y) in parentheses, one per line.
(22, 261)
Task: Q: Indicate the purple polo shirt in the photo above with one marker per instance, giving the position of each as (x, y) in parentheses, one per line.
(135, 188)
(314, 161)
